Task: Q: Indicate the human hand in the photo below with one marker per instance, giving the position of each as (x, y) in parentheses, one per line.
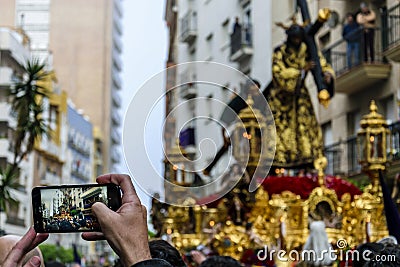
(309, 65)
(125, 229)
(327, 77)
(28, 242)
(197, 256)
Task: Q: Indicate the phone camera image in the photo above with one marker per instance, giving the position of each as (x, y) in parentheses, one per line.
(69, 209)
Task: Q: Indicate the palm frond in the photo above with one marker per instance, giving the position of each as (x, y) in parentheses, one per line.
(8, 182)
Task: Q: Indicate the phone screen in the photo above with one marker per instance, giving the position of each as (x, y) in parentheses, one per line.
(67, 208)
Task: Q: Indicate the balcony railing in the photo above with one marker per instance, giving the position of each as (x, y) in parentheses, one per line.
(333, 154)
(242, 43)
(188, 86)
(189, 27)
(395, 140)
(336, 153)
(337, 55)
(391, 17)
(353, 166)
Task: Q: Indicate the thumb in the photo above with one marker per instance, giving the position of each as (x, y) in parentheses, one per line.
(101, 211)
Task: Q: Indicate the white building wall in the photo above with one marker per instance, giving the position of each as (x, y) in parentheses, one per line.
(215, 21)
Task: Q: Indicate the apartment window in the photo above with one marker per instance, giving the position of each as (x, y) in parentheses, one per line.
(389, 109)
(353, 122)
(3, 130)
(327, 133)
(53, 117)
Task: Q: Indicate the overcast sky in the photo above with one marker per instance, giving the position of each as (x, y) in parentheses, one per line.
(144, 55)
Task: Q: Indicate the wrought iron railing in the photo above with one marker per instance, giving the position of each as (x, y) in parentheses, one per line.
(188, 24)
(391, 25)
(335, 153)
(353, 166)
(395, 140)
(336, 54)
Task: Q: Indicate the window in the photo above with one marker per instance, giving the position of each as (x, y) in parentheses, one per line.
(327, 133)
(353, 122)
(389, 109)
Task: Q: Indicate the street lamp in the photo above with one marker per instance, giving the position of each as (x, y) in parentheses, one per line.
(372, 141)
(248, 137)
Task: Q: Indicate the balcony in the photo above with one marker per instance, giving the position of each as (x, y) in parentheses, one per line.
(12, 42)
(4, 111)
(116, 118)
(116, 98)
(189, 28)
(188, 88)
(343, 157)
(244, 2)
(391, 36)
(6, 76)
(51, 149)
(115, 137)
(333, 153)
(4, 145)
(362, 75)
(116, 78)
(115, 156)
(242, 44)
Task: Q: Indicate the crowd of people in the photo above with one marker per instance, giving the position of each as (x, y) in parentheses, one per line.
(126, 232)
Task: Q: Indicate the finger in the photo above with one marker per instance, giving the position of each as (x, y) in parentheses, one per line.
(33, 262)
(103, 214)
(125, 182)
(93, 236)
(22, 246)
(29, 241)
(40, 238)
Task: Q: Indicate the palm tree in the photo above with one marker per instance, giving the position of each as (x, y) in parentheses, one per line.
(26, 102)
(8, 182)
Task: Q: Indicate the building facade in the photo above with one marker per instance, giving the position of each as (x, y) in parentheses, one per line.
(80, 147)
(85, 53)
(205, 31)
(13, 53)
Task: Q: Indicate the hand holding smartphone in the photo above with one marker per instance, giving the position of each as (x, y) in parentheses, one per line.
(67, 208)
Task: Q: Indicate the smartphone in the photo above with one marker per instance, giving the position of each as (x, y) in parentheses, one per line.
(68, 208)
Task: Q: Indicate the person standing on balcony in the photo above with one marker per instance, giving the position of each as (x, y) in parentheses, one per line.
(352, 33)
(237, 27)
(366, 18)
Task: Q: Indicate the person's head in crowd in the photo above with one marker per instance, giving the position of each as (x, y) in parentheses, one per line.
(364, 7)
(7, 242)
(349, 18)
(220, 261)
(161, 249)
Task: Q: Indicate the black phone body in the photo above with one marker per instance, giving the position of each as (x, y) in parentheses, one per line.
(67, 208)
